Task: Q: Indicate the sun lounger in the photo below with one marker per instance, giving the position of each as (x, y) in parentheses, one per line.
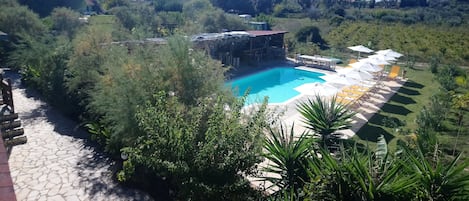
(351, 61)
(394, 72)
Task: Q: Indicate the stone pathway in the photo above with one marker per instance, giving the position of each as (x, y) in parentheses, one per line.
(56, 163)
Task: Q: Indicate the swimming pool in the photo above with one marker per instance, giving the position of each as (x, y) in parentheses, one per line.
(277, 83)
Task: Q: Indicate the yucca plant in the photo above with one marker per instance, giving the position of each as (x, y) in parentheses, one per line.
(328, 181)
(288, 157)
(325, 117)
(357, 176)
(437, 180)
(377, 176)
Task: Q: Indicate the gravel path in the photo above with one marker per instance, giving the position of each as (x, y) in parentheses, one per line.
(56, 163)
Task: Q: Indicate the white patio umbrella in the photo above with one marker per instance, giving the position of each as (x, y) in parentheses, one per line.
(360, 48)
(366, 66)
(340, 79)
(375, 61)
(382, 57)
(322, 89)
(389, 52)
(355, 74)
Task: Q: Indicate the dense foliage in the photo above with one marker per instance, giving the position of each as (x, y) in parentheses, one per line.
(45, 7)
(415, 172)
(203, 152)
(419, 41)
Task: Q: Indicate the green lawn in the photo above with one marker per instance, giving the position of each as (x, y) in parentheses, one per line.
(396, 119)
(401, 110)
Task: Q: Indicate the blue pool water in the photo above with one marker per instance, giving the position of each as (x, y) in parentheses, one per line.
(276, 83)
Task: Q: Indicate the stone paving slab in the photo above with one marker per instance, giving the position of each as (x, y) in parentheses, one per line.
(57, 163)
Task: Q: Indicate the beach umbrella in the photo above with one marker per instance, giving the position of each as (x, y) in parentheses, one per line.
(375, 61)
(389, 52)
(360, 48)
(382, 57)
(339, 79)
(355, 74)
(366, 66)
(322, 89)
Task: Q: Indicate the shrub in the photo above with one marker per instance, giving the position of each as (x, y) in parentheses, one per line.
(368, 18)
(454, 21)
(340, 12)
(202, 151)
(446, 77)
(310, 34)
(390, 18)
(336, 20)
(409, 20)
(350, 17)
(434, 63)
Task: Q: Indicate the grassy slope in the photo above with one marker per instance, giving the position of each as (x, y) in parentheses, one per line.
(404, 106)
(402, 109)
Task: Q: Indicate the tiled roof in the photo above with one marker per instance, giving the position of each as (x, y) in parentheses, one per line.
(265, 33)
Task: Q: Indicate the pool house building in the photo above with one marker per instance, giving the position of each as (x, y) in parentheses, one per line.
(231, 48)
(235, 47)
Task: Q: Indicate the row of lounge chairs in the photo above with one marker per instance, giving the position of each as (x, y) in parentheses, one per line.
(355, 95)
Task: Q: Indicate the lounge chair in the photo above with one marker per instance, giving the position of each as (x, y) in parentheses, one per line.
(394, 72)
(351, 61)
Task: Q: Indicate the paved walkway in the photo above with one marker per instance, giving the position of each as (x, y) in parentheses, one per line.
(56, 163)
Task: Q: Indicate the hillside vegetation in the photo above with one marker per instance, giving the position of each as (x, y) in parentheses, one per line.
(424, 42)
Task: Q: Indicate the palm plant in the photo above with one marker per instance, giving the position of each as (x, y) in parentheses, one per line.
(325, 117)
(288, 157)
(437, 180)
(328, 178)
(377, 176)
(356, 176)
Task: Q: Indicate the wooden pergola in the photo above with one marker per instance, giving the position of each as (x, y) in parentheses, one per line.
(265, 45)
(232, 48)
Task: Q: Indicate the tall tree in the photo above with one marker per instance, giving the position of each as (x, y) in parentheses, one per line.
(19, 20)
(65, 21)
(86, 64)
(305, 4)
(20, 24)
(45, 7)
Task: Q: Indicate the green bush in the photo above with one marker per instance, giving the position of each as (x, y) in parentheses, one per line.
(202, 151)
(336, 20)
(310, 34)
(390, 18)
(446, 78)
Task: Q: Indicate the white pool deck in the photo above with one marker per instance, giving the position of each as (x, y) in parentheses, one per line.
(289, 115)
